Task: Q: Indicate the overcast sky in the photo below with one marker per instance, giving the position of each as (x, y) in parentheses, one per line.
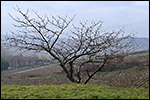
(134, 15)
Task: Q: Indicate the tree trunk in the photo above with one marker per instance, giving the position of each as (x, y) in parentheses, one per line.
(90, 76)
(69, 76)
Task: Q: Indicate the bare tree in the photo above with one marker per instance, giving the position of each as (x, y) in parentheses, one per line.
(85, 44)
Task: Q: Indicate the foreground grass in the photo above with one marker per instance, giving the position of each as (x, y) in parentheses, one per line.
(72, 91)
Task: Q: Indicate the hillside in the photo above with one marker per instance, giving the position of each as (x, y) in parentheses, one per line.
(121, 82)
(133, 73)
(143, 42)
(17, 61)
(144, 45)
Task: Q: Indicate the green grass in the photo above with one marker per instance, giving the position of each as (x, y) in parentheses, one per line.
(72, 91)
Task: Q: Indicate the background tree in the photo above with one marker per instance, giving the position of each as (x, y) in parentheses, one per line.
(4, 64)
(85, 44)
(5, 54)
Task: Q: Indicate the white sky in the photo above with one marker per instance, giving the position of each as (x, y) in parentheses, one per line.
(134, 15)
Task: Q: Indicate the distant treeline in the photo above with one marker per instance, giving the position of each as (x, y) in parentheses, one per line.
(4, 64)
(19, 61)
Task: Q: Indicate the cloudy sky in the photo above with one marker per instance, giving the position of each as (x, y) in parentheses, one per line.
(134, 15)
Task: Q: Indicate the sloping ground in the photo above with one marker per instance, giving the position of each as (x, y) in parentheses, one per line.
(47, 75)
(25, 69)
(134, 77)
(72, 91)
(130, 78)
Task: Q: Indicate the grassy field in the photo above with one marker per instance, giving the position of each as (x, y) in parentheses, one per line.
(72, 91)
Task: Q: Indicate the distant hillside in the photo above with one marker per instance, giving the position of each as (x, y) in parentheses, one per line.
(144, 43)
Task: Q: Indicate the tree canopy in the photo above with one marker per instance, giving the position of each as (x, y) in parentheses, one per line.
(86, 43)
